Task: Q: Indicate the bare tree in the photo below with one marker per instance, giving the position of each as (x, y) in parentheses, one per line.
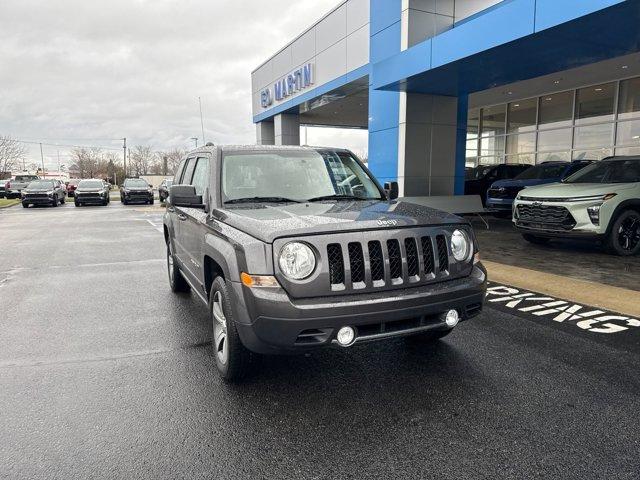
(174, 157)
(141, 160)
(12, 153)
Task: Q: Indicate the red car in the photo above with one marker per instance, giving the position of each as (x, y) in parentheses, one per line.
(71, 186)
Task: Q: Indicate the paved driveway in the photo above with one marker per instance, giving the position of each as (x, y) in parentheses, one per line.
(105, 374)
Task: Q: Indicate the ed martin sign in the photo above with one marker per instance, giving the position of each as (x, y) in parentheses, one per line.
(296, 81)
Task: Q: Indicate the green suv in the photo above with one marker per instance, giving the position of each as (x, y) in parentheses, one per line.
(600, 202)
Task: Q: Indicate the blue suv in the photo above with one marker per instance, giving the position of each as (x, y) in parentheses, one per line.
(502, 193)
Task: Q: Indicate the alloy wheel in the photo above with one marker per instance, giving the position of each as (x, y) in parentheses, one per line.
(220, 330)
(170, 261)
(629, 233)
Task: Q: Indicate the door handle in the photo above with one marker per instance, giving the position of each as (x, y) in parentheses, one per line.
(182, 216)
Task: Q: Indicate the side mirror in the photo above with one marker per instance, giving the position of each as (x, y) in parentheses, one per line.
(185, 196)
(391, 189)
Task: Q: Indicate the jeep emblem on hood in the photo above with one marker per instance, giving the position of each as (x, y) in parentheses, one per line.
(387, 223)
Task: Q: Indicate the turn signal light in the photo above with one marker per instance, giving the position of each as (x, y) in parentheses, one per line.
(609, 196)
(257, 281)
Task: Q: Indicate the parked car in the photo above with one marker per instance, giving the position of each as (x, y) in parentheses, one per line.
(502, 193)
(136, 190)
(94, 192)
(13, 188)
(600, 202)
(288, 258)
(72, 185)
(3, 183)
(480, 179)
(163, 189)
(43, 192)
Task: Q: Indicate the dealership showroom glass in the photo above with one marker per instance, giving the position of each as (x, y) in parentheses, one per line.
(446, 85)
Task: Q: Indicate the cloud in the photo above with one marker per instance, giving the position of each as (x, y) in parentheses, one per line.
(92, 72)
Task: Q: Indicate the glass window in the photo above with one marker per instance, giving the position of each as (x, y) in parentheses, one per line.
(556, 110)
(522, 159)
(628, 133)
(554, 157)
(522, 115)
(188, 171)
(201, 175)
(176, 178)
(521, 143)
(597, 154)
(472, 145)
(492, 145)
(473, 121)
(628, 151)
(491, 160)
(554, 139)
(593, 136)
(611, 171)
(629, 103)
(595, 104)
(493, 120)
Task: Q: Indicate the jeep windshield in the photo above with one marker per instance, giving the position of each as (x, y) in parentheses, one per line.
(609, 171)
(294, 176)
(136, 183)
(90, 184)
(40, 185)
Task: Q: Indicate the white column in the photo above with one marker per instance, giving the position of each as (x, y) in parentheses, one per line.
(287, 129)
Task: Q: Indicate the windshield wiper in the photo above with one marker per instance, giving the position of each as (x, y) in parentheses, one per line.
(262, 199)
(337, 197)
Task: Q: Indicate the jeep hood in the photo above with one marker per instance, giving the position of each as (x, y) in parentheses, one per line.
(565, 190)
(270, 221)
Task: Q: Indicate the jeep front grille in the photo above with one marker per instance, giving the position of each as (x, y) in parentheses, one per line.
(399, 262)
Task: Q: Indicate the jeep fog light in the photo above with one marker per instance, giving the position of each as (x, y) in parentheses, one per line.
(460, 245)
(594, 214)
(297, 261)
(451, 318)
(346, 336)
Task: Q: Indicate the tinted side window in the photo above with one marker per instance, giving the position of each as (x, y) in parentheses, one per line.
(201, 175)
(179, 170)
(188, 171)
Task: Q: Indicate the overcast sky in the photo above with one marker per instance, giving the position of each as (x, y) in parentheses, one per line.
(89, 72)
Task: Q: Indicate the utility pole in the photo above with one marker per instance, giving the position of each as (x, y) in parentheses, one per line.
(42, 158)
(201, 123)
(129, 159)
(124, 156)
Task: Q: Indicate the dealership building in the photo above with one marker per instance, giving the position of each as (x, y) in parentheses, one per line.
(441, 85)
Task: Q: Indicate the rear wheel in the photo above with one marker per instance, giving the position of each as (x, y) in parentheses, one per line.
(535, 239)
(624, 237)
(232, 357)
(176, 280)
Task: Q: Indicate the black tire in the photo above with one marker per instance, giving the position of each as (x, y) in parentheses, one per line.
(429, 336)
(238, 358)
(624, 235)
(55, 201)
(25, 205)
(176, 281)
(536, 240)
(124, 202)
(104, 204)
(151, 202)
(77, 203)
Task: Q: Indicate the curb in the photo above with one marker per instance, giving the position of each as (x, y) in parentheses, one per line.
(593, 294)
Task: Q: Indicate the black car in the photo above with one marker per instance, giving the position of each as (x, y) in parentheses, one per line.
(478, 180)
(163, 189)
(136, 190)
(3, 183)
(91, 192)
(296, 248)
(44, 192)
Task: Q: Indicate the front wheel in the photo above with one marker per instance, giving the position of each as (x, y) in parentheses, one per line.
(63, 200)
(151, 202)
(232, 357)
(25, 205)
(624, 237)
(536, 240)
(55, 201)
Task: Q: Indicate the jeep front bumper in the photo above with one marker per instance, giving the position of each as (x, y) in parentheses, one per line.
(269, 321)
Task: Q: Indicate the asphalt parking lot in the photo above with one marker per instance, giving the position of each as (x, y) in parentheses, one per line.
(106, 374)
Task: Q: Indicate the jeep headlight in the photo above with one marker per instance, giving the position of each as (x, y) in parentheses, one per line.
(297, 261)
(460, 245)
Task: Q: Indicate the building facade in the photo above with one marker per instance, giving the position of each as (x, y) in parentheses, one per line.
(441, 85)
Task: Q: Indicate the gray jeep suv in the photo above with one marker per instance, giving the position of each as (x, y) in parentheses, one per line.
(294, 248)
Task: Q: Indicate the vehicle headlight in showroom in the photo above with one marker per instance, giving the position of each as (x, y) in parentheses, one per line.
(50, 192)
(594, 213)
(460, 245)
(297, 261)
